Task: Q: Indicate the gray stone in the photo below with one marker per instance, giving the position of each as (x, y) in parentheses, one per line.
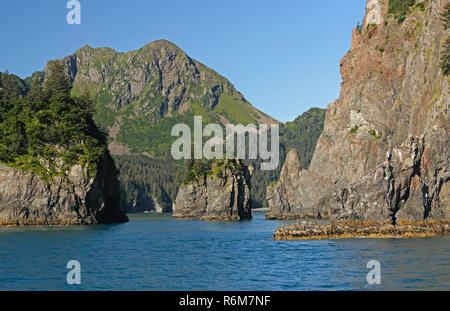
(218, 197)
(76, 199)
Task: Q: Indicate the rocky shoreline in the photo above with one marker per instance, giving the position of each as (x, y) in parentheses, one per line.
(44, 222)
(362, 229)
(270, 216)
(214, 218)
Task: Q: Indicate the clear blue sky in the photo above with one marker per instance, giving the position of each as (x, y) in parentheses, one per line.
(282, 55)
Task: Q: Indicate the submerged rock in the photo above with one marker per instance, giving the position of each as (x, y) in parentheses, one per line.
(222, 195)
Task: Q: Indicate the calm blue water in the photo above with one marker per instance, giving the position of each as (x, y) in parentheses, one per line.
(156, 252)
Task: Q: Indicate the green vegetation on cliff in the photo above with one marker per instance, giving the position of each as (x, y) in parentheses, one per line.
(446, 16)
(48, 131)
(400, 8)
(200, 169)
(445, 57)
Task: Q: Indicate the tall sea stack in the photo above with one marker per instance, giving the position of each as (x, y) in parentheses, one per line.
(384, 151)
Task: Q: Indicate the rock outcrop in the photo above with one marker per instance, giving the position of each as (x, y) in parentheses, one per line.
(223, 195)
(363, 229)
(384, 152)
(285, 197)
(75, 199)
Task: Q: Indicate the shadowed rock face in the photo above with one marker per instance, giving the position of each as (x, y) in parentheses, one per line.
(218, 197)
(384, 152)
(78, 199)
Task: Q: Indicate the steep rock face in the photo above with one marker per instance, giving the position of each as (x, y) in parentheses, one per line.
(401, 188)
(77, 199)
(283, 196)
(218, 197)
(384, 152)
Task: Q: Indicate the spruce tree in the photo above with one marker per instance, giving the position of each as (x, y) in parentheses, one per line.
(57, 82)
(35, 97)
(445, 58)
(9, 91)
(446, 16)
(35, 93)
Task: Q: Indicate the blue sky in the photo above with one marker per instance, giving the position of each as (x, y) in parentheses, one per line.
(282, 55)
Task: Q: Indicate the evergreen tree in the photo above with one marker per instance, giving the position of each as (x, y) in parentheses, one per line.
(36, 93)
(57, 83)
(34, 98)
(446, 16)
(9, 89)
(48, 131)
(445, 58)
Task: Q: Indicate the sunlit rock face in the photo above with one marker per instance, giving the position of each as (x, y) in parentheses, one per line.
(78, 198)
(384, 151)
(373, 13)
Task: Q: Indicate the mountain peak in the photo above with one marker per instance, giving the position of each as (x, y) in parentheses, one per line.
(140, 91)
(163, 42)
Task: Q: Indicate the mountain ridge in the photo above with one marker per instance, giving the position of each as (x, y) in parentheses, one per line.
(158, 81)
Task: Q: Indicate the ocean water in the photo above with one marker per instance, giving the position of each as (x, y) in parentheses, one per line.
(156, 252)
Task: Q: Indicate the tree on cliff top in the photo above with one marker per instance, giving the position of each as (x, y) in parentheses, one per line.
(446, 16)
(400, 8)
(37, 132)
(445, 58)
(57, 82)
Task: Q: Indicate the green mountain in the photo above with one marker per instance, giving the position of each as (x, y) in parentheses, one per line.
(141, 94)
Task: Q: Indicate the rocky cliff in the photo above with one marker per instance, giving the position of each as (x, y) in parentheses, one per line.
(26, 199)
(384, 152)
(55, 167)
(221, 195)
